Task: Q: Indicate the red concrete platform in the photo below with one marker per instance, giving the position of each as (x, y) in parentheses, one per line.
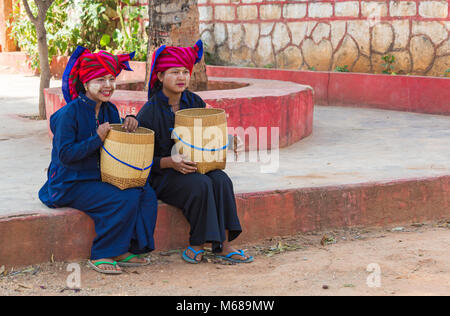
(419, 94)
(67, 234)
(256, 103)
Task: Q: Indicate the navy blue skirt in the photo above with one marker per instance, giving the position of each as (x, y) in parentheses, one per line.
(124, 219)
(207, 202)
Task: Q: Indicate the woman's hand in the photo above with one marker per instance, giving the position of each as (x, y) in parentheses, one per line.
(182, 164)
(130, 124)
(103, 130)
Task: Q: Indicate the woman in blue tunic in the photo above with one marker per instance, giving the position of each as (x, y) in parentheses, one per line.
(124, 220)
(207, 201)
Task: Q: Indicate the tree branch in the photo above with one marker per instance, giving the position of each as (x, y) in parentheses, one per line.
(29, 13)
(48, 4)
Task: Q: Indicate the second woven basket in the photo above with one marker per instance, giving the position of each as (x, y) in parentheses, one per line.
(201, 135)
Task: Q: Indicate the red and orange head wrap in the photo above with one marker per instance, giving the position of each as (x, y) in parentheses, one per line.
(84, 66)
(167, 57)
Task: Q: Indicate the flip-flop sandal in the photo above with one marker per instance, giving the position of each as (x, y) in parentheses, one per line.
(239, 253)
(125, 262)
(94, 265)
(196, 253)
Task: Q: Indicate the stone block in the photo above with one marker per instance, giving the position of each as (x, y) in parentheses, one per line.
(320, 10)
(319, 55)
(346, 8)
(247, 12)
(382, 37)
(434, 30)
(347, 53)
(205, 13)
(321, 31)
(422, 52)
(360, 31)
(235, 35)
(280, 38)
(374, 9)
(270, 11)
(402, 8)
(433, 9)
(401, 32)
(224, 13)
(294, 11)
(264, 54)
(251, 35)
(220, 34)
(290, 58)
(298, 31)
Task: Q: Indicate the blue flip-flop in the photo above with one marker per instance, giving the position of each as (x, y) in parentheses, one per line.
(196, 253)
(239, 253)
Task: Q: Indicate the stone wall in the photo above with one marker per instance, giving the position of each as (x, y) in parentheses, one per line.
(321, 35)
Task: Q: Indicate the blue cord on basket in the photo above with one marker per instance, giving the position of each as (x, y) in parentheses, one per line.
(198, 148)
(126, 164)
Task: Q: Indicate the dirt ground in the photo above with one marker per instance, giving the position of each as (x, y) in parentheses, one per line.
(408, 260)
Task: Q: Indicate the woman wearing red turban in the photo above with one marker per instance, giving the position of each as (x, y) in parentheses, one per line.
(207, 201)
(124, 220)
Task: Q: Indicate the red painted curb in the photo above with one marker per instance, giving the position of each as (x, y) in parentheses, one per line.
(67, 234)
(430, 95)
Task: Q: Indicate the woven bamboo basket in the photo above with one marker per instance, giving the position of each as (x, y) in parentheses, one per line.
(201, 135)
(126, 158)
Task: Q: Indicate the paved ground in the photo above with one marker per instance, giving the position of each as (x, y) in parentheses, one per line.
(410, 260)
(347, 146)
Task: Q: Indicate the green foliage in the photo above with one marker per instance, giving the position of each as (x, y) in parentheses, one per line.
(94, 24)
(388, 64)
(130, 36)
(447, 73)
(24, 33)
(341, 69)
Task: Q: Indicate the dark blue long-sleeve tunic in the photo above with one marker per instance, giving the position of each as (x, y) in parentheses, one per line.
(76, 144)
(124, 219)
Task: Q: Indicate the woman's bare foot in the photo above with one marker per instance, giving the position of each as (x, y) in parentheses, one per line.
(192, 255)
(227, 249)
(105, 266)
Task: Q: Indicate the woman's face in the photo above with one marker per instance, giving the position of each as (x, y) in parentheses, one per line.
(175, 79)
(101, 89)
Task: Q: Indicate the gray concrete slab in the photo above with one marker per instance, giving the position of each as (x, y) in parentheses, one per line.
(347, 146)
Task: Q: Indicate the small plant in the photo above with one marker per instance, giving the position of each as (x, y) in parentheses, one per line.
(312, 68)
(388, 64)
(447, 73)
(342, 69)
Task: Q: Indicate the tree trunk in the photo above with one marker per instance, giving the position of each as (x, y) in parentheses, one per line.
(44, 67)
(176, 23)
(39, 24)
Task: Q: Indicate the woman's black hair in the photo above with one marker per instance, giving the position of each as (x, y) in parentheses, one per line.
(157, 87)
(80, 87)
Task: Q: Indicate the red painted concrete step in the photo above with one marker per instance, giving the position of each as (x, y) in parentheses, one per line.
(67, 234)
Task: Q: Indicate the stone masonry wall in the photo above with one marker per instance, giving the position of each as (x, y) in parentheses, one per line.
(320, 35)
